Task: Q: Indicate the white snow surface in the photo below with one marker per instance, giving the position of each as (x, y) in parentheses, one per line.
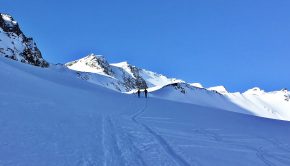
(221, 89)
(275, 105)
(198, 85)
(49, 117)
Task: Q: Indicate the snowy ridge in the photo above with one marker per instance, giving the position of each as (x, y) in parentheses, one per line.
(187, 93)
(121, 76)
(275, 105)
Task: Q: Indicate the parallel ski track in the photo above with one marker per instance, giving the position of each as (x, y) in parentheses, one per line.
(164, 144)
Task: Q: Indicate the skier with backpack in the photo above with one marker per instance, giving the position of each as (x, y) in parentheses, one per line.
(145, 91)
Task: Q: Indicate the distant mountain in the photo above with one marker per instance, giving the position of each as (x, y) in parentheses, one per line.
(121, 76)
(15, 45)
(255, 101)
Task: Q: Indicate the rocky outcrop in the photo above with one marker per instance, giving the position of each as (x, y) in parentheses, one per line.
(15, 45)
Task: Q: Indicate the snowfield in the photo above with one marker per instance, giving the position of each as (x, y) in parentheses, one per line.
(48, 117)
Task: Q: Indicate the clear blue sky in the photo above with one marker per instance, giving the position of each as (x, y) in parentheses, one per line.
(236, 43)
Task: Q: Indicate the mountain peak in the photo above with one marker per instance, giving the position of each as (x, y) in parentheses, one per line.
(91, 59)
(91, 63)
(92, 55)
(15, 45)
(8, 18)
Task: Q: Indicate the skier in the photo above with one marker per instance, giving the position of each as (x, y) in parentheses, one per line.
(145, 91)
(138, 92)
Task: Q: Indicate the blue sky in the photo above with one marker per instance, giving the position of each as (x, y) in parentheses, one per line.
(236, 43)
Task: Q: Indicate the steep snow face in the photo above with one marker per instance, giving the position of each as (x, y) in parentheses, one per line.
(275, 105)
(117, 76)
(93, 64)
(15, 45)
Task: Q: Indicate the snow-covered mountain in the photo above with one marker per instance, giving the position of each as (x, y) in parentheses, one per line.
(121, 76)
(15, 45)
(124, 77)
(275, 105)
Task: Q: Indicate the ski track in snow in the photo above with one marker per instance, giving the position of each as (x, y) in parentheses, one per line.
(164, 144)
(118, 148)
(261, 152)
(112, 152)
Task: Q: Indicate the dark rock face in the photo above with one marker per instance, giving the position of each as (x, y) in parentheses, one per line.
(15, 45)
(140, 83)
(103, 64)
(133, 82)
(9, 26)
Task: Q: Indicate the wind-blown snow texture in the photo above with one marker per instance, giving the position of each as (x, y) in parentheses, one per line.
(49, 117)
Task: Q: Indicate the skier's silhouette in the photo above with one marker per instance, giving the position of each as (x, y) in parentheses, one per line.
(138, 92)
(145, 91)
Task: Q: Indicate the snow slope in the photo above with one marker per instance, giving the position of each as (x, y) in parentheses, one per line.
(275, 105)
(50, 118)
